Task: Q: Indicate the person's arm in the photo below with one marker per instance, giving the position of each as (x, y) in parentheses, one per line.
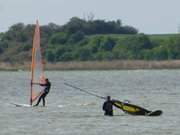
(42, 84)
(104, 106)
(35, 83)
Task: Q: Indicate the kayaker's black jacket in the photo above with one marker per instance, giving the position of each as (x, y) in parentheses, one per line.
(108, 108)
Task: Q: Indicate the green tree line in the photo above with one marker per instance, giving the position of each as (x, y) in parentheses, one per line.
(82, 40)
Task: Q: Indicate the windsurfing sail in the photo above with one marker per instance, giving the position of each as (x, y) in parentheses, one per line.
(130, 108)
(37, 67)
(134, 109)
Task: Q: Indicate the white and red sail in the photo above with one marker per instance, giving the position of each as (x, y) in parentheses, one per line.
(37, 66)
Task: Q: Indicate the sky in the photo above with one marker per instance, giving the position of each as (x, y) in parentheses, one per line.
(148, 16)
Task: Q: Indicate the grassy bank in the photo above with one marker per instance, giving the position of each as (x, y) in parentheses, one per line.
(98, 65)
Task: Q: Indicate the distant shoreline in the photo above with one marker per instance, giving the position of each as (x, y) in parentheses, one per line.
(97, 65)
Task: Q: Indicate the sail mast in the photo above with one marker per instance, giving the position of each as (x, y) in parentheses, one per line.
(32, 74)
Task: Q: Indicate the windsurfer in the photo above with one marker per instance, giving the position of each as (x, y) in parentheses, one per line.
(46, 90)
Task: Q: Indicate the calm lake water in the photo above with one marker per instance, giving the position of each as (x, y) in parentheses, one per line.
(71, 112)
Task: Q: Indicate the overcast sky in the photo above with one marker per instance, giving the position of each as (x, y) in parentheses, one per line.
(148, 16)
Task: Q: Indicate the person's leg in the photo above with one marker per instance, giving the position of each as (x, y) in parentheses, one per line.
(39, 100)
(111, 113)
(44, 101)
(43, 97)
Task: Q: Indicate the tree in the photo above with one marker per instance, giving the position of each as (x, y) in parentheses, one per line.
(84, 53)
(50, 56)
(160, 53)
(59, 38)
(135, 44)
(107, 44)
(75, 24)
(76, 37)
(1, 50)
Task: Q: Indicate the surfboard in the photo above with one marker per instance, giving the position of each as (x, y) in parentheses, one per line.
(21, 105)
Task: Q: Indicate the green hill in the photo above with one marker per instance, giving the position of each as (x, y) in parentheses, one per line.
(88, 40)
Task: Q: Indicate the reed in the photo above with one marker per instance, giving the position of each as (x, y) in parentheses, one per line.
(98, 65)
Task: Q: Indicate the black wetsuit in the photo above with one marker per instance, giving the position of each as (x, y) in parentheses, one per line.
(108, 108)
(46, 91)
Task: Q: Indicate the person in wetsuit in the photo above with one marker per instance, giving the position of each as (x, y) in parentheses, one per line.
(47, 86)
(108, 107)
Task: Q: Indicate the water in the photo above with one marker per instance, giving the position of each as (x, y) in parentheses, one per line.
(71, 112)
